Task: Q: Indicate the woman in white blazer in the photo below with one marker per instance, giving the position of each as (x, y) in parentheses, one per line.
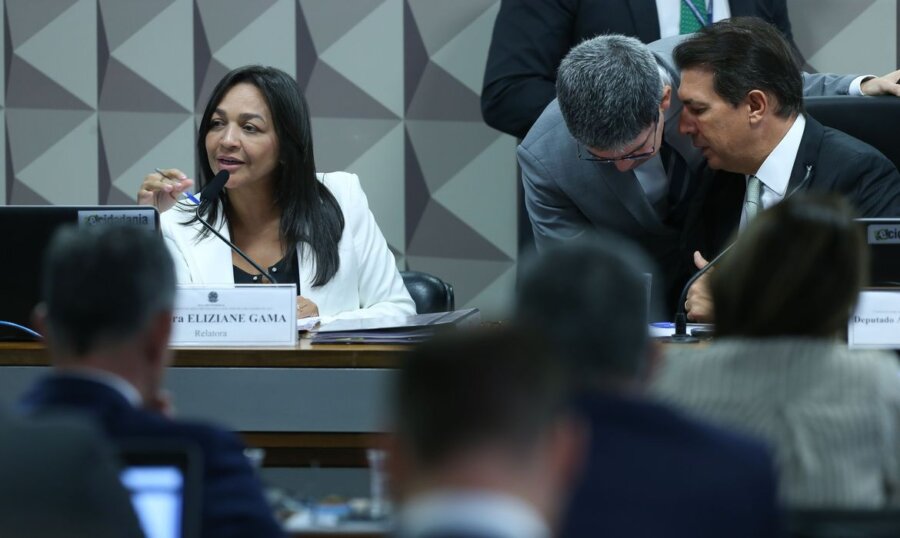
(314, 230)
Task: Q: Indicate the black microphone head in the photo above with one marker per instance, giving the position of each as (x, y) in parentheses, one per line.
(212, 191)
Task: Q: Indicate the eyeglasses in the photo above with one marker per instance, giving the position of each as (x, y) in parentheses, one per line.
(586, 155)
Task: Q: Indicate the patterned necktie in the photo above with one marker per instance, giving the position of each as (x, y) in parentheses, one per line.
(689, 22)
(753, 200)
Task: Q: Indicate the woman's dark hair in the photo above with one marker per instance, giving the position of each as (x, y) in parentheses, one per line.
(309, 212)
(795, 271)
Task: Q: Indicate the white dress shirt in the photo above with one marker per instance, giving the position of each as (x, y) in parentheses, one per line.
(669, 13)
(775, 172)
(476, 512)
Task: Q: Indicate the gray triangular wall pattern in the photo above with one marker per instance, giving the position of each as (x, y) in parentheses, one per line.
(28, 17)
(124, 19)
(26, 87)
(222, 19)
(441, 233)
(125, 90)
(331, 95)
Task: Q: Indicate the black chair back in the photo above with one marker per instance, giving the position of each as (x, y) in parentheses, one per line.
(430, 293)
(874, 120)
(825, 523)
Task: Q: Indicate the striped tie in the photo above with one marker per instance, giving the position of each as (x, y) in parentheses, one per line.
(753, 200)
(689, 22)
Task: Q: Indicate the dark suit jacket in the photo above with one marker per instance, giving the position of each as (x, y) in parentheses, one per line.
(531, 37)
(59, 477)
(839, 163)
(652, 472)
(233, 504)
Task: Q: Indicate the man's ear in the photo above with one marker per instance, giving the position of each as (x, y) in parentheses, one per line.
(39, 320)
(570, 437)
(666, 98)
(757, 105)
(157, 336)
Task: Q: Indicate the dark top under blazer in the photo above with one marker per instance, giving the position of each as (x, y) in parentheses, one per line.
(232, 501)
(531, 37)
(653, 472)
(840, 163)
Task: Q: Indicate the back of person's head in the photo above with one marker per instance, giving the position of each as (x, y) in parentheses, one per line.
(795, 271)
(589, 298)
(102, 285)
(465, 391)
(745, 54)
(609, 90)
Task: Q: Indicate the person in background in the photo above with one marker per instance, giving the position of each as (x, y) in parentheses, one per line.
(59, 478)
(531, 37)
(312, 230)
(650, 470)
(743, 108)
(106, 317)
(779, 369)
(484, 446)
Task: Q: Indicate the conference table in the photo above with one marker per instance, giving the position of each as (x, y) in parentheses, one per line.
(320, 405)
(307, 405)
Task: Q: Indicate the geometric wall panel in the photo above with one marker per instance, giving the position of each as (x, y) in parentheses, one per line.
(97, 93)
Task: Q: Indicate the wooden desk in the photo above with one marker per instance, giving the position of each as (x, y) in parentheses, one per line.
(317, 405)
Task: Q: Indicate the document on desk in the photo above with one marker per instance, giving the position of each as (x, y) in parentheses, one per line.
(405, 330)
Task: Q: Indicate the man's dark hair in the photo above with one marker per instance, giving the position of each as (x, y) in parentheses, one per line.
(589, 297)
(745, 54)
(466, 390)
(795, 271)
(103, 284)
(309, 212)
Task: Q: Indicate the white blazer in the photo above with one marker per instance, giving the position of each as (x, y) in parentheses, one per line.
(367, 284)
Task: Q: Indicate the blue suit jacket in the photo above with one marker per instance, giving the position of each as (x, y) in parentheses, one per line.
(652, 472)
(232, 503)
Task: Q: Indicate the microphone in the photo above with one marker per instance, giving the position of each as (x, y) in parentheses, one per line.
(211, 194)
(681, 336)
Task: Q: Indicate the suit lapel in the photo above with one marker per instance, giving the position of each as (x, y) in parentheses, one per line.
(807, 155)
(645, 19)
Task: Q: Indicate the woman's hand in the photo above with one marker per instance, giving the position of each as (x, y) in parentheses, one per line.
(162, 191)
(306, 308)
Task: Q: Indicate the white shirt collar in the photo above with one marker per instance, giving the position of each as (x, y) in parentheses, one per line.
(494, 514)
(111, 380)
(775, 172)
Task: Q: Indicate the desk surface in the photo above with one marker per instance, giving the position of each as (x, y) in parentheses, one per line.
(303, 355)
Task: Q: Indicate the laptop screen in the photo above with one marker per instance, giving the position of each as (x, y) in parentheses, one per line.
(157, 494)
(25, 232)
(164, 479)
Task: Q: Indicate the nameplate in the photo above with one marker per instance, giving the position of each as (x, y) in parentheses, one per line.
(235, 315)
(876, 322)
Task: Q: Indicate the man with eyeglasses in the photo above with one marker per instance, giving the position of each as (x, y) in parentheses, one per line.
(607, 154)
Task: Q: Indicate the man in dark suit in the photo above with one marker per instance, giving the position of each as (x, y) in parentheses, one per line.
(106, 314)
(650, 470)
(531, 37)
(59, 478)
(608, 155)
(484, 446)
(743, 108)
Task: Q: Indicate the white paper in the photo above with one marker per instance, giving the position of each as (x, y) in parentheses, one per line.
(876, 322)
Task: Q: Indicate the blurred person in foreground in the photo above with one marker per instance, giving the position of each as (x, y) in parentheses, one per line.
(106, 316)
(484, 447)
(650, 470)
(779, 368)
(306, 228)
(59, 478)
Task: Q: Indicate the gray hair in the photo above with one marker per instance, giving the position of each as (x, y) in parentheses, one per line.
(609, 90)
(589, 297)
(103, 284)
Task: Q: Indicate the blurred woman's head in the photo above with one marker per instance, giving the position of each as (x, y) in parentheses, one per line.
(795, 271)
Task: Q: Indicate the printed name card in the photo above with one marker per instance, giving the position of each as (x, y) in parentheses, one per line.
(876, 322)
(235, 315)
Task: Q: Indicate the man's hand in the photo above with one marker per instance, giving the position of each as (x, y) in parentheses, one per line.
(886, 85)
(699, 304)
